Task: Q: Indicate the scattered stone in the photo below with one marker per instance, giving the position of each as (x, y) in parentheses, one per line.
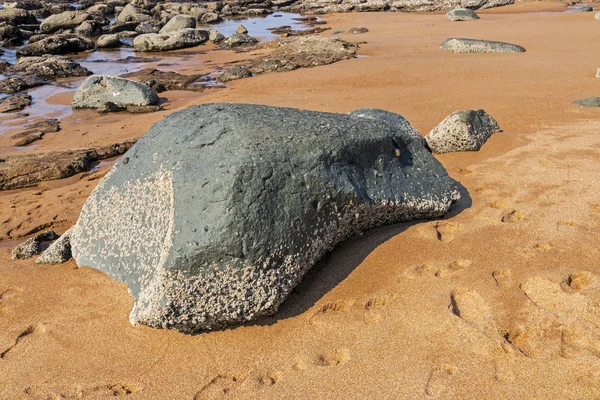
(14, 84)
(49, 66)
(179, 22)
(26, 170)
(57, 44)
(295, 189)
(59, 252)
(17, 16)
(65, 20)
(170, 41)
(597, 16)
(461, 45)
(32, 246)
(100, 89)
(131, 14)
(89, 28)
(123, 27)
(241, 30)
(210, 18)
(236, 72)
(237, 40)
(588, 102)
(273, 65)
(461, 14)
(464, 130)
(102, 9)
(356, 31)
(108, 41)
(10, 35)
(14, 102)
(215, 36)
(147, 27)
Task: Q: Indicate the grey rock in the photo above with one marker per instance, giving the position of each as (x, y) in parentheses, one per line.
(65, 20)
(464, 130)
(179, 22)
(59, 252)
(147, 27)
(57, 44)
(588, 102)
(101, 9)
(123, 27)
(17, 16)
(108, 41)
(237, 40)
(49, 66)
(131, 14)
(461, 14)
(100, 89)
(14, 84)
(89, 28)
(462, 45)
(10, 35)
(215, 36)
(32, 246)
(220, 209)
(170, 41)
(234, 73)
(210, 18)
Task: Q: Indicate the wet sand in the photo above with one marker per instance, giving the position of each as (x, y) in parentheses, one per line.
(498, 300)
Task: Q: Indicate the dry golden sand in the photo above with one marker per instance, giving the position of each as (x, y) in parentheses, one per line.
(499, 300)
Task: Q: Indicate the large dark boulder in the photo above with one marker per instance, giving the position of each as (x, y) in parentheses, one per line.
(64, 20)
(218, 211)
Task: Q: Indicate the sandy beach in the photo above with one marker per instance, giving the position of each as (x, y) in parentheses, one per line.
(500, 299)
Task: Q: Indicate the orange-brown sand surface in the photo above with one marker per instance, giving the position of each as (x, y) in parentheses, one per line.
(499, 300)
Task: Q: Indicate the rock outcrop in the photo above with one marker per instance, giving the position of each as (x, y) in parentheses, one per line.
(462, 45)
(218, 211)
(101, 89)
(48, 66)
(464, 130)
(179, 22)
(588, 102)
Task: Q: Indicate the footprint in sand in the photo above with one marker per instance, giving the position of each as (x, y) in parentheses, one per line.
(446, 231)
(20, 344)
(6, 296)
(81, 392)
(471, 307)
(418, 271)
(503, 277)
(221, 386)
(513, 215)
(439, 379)
(453, 268)
(550, 296)
(580, 280)
(330, 310)
(499, 204)
(333, 358)
(374, 306)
